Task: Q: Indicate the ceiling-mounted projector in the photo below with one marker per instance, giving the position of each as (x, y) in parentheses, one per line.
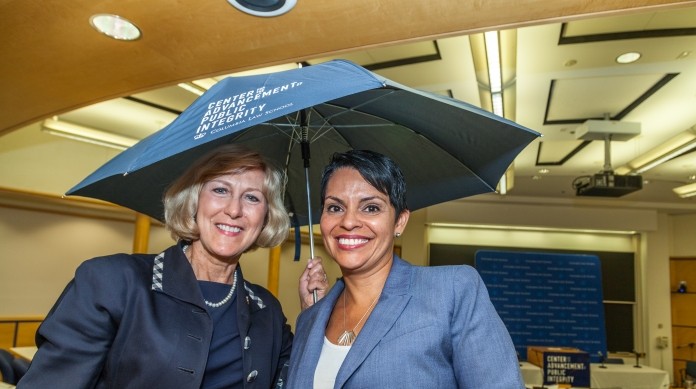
(606, 183)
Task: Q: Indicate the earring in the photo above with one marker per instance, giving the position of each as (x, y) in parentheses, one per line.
(398, 234)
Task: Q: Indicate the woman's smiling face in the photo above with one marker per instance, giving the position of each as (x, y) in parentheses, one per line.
(231, 213)
(358, 222)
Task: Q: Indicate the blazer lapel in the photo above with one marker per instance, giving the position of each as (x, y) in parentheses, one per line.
(176, 276)
(307, 356)
(395, 296)
(245, 307)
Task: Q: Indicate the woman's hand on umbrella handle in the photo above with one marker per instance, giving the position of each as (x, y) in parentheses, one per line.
(313, 280)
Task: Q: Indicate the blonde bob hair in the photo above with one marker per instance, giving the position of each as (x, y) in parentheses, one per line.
(181, 198)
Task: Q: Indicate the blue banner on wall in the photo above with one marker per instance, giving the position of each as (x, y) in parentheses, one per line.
(545, 299)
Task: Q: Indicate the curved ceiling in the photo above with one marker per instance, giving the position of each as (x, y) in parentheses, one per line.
(53, 61)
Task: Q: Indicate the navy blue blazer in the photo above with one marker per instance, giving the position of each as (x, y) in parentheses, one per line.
(139, 321)
(433, 327)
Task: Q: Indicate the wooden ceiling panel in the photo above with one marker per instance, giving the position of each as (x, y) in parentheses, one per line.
(53, 61)
(670, 19)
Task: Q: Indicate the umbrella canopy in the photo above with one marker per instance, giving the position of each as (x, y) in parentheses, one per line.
(447, 149)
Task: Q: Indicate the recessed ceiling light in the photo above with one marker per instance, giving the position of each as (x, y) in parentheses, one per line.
(115, 27)
(628, 57)
(264, 8)
(684, 54)
(544, 171)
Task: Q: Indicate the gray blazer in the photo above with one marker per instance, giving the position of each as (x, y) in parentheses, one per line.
(433, 327)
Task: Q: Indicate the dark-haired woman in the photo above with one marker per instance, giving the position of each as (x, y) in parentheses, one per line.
(386, 323)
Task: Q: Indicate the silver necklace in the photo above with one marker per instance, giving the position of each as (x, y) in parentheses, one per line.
(229, 295)
(348, 336)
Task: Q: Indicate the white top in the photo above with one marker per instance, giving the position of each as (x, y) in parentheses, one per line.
(330, 360)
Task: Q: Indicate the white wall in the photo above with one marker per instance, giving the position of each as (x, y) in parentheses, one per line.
(655, 293)
(683, 242)
(40, 252)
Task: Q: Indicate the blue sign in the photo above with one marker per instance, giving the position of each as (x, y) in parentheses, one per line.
(567, 369)
(552, 300)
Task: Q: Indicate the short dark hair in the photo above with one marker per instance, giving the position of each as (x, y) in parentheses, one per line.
(181, 199)
(377, 169)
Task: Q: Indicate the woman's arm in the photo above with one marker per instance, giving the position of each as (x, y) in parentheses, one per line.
(483, 352)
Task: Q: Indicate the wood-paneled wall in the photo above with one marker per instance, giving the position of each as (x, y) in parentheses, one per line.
(683, 313)
(18, 331)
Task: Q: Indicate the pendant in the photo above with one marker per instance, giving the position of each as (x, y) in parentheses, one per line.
(347, 338)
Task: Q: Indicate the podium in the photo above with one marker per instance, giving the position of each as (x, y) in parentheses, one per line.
(563, 366)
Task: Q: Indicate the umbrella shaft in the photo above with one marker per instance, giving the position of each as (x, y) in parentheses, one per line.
(309, 216)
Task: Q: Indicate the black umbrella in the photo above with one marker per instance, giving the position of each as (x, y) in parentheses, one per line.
(447, 149)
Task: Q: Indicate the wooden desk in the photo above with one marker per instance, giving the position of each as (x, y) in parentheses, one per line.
(18, 330)
(24, 352)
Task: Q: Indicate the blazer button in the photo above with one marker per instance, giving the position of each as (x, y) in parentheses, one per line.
(247, 343)
(252, 376)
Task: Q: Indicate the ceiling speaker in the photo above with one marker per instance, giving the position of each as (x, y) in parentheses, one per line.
(264, 8)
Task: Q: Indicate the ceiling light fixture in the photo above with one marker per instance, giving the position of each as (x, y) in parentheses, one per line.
(205, 84)
(491, 42)
(495, 76)
(684, 54)
(507, 181)
(686, 190)
(191, 87)
(115, 27)
(265, 8)
(72, 131)
(629, 57)
(530, 228)
(674, 147)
